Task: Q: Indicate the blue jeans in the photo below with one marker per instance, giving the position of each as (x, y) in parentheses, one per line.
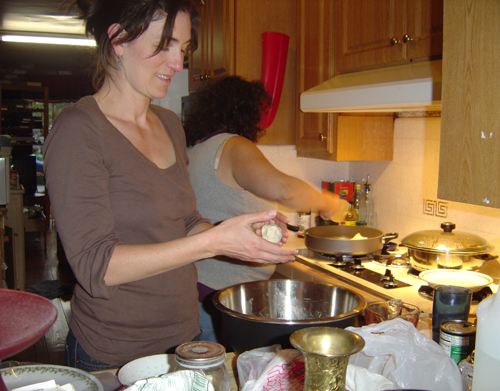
(76, 357)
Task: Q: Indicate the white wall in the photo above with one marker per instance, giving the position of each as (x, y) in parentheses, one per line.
(404, 189)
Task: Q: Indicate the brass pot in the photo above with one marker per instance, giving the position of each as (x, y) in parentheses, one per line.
(446, 249)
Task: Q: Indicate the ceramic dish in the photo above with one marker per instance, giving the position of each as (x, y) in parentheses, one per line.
(463, 278)
(145, 367)
(26, 375)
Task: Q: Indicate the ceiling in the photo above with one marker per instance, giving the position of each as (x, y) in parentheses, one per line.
(41, 16)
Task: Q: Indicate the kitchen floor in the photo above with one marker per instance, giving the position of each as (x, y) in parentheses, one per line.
(41, 265)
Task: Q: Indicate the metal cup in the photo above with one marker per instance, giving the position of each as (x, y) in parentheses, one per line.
(449, 303)
(326, 352)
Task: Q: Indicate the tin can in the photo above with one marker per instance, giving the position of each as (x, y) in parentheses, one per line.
(457, 338)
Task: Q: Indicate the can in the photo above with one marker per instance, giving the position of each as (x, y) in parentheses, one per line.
(457, 338)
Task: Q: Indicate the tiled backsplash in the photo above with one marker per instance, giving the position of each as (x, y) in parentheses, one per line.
(404, 189)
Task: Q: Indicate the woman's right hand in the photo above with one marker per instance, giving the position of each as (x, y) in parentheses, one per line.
(237, 238)
(331, 204)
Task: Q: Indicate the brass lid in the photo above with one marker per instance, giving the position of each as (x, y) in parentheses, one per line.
(447, 241)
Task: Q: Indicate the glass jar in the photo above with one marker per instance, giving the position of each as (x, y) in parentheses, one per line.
(206, 357)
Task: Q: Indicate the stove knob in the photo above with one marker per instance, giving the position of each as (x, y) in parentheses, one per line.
(357, 265)
(387, 276)
(390, 283)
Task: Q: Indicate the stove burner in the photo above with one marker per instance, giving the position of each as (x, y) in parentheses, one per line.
(384, 281)
(391, 260)
(413, 272)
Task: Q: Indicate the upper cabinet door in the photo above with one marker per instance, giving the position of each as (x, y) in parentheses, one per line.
(469, 161)
(315, 132)
(425, 29)
(374, 34)
(212, 58)
(368, 33)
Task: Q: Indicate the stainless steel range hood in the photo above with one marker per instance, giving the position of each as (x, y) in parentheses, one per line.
(412, 87)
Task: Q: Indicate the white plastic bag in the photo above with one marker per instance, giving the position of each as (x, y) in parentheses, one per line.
(271, 368)
(396, 350)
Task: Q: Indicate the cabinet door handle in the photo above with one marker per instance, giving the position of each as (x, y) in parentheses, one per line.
(407, 38)
(394, 41)
(322, 137)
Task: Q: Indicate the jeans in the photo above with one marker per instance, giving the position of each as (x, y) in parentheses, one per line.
(76, 357)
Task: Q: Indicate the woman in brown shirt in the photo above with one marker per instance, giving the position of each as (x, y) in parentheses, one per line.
(121, 196)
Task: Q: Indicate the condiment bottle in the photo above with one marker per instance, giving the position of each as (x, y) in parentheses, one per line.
(360, 204)
(487, 354)
(303, 222)
(206, 357)
(370, 214)
(351, 216)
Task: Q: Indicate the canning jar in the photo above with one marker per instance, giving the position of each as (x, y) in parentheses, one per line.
(206, 357)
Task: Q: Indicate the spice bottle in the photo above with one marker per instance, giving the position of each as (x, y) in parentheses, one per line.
(303, 222)
(206, 357)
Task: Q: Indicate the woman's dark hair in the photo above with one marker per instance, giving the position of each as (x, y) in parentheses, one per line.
(230, 105)
(133, 18)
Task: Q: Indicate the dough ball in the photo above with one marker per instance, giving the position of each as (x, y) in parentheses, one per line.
(358, 236)
(272, 233)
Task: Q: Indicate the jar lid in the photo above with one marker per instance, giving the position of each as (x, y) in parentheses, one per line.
(447, 241)
(200, 354)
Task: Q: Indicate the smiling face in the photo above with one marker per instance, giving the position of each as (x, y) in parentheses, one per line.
(147, 74)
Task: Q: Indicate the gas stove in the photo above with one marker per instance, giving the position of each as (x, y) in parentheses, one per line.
(383, 275)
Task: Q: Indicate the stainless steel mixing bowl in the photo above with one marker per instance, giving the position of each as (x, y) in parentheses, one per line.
(263, 313)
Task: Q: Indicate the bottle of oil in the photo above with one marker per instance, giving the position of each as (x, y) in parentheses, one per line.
(351, 216)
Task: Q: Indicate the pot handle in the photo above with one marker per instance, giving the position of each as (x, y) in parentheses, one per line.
(388, 237)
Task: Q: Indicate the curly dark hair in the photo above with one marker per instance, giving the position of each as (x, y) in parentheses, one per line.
(230, 105)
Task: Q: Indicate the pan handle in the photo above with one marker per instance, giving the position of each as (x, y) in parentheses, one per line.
(388, 237)
(292, 228)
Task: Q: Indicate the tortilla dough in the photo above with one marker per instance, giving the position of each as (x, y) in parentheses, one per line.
(358, 236)
(272, 233)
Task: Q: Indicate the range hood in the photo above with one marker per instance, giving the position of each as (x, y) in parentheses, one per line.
(411, 87)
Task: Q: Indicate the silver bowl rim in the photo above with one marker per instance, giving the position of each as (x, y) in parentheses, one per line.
(228, 311)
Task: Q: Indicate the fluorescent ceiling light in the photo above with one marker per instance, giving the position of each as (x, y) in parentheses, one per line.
(48, 40)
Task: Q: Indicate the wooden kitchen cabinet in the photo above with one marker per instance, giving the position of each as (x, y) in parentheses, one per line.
(230, 42)
(469, 162)
(212, 59)
(332, 136)
(373, 34)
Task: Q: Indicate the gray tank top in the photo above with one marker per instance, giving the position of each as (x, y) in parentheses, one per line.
(217, 202)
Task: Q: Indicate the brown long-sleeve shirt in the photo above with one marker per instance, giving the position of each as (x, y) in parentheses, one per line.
(105, 192)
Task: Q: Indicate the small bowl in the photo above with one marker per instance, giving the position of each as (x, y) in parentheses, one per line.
(378, 311)
(146, 367)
